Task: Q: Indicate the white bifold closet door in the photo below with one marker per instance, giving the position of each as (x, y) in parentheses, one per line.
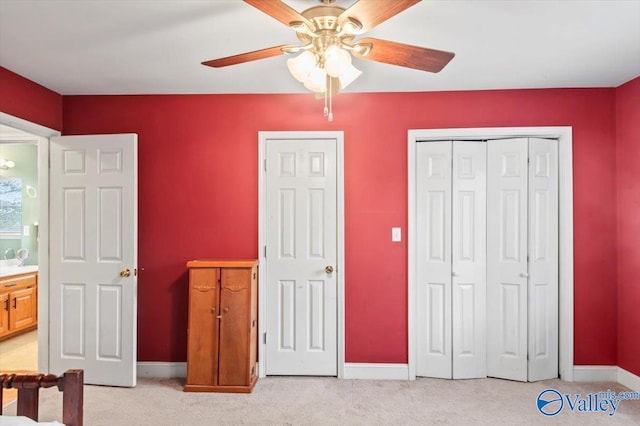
(451, 262)
(522, 259)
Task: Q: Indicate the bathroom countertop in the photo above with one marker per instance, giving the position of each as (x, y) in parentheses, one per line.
(7, 271)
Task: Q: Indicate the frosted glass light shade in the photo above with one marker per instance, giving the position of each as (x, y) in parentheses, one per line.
(349, 76)
(301, 66)
(317, 80)
(6, 164)
(336, 60)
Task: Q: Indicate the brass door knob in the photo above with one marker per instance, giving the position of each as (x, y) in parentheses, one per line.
(125, 273)
(328, 269)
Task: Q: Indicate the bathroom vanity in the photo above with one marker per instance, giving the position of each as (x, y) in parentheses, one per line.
(18, 300)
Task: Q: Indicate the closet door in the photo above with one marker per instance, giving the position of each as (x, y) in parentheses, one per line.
(433, 204)
(469, 259)
(451, 225)
(507, 258)
(543, 259)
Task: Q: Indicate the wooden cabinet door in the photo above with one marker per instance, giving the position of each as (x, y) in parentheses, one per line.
(202, 352)
(235, 327)
(23, 309)
(4, 313)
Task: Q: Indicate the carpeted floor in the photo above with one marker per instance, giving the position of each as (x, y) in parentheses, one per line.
(329, 401)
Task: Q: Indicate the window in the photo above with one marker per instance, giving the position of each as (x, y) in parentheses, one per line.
(10, 208)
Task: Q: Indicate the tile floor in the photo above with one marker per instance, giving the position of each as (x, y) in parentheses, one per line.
(18, 354)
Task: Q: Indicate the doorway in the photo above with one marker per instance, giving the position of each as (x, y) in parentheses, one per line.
(19, 226)
(565, 276)
(301, 252)
(43, 134)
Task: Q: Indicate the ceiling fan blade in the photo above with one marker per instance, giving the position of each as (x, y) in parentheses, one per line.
(278, 10)
(405, 55)
(374, 12)
(248, 57)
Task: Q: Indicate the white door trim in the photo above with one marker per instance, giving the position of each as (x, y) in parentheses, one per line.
(44, 134)
(263, 137)
(565, 207)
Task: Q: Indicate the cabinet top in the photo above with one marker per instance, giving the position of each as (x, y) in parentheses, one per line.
(216, 263)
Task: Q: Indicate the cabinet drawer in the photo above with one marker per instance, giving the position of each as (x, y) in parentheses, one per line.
(17, 282)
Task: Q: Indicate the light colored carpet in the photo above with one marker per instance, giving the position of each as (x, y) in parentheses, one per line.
(329, 401)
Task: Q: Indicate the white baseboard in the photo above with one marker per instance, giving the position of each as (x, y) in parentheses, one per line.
(162, 369)
(373, 371)
(606, 373)
(628, 379)
(376, 371)
(595, 373)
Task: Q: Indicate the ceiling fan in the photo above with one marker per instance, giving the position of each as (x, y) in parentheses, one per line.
(327, 33)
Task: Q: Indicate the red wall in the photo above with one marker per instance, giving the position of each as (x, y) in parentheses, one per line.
(628, 187)
(198, 189)
(30, 101)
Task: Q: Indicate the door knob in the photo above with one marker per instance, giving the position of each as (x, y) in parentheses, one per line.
(328, 269)
(524, 275)
(125, 273)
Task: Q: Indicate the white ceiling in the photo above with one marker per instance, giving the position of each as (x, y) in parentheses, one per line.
(156, 46)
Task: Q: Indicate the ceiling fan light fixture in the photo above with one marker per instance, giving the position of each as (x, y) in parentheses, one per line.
(336, 60)
(349, 76)
(316, 80)
(302, 65)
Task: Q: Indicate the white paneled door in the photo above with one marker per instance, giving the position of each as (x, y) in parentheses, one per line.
(543, 259)
(487, 259)
(93, 256)
(468, 258)
(434, 259)
(507, 259)
(301, 256)
(451, 235)
(522, 259)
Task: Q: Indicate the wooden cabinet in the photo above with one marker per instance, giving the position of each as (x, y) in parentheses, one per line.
(18, 304)
(223, 326)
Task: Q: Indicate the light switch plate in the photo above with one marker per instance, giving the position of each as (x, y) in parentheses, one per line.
(25, 230)
(396, 235)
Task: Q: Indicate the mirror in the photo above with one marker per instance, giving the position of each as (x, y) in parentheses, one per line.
(9, 253)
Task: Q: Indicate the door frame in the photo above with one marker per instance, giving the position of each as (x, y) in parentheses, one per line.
(565, 225)
(43, 133)
(263, 138)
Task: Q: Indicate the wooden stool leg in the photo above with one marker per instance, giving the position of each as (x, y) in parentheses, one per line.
(28, 403)
(73, 398)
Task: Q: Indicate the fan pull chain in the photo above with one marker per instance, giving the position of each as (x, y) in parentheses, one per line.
(326, 110)
(330, 117)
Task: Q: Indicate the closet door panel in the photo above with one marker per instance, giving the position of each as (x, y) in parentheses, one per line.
(469, 259)
(543, 259)
(507, 197)
(434, 259)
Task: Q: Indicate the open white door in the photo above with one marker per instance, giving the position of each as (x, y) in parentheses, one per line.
(93, 257)
(301, 254)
